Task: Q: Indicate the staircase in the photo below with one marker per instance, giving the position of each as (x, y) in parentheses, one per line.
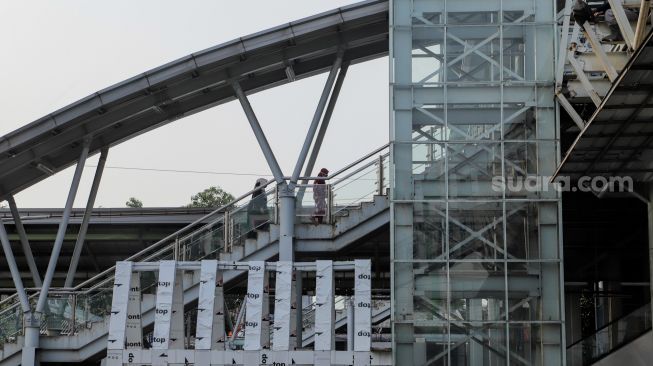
(380, 313)
(233, 233)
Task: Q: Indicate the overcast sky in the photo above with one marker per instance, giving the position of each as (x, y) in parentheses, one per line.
(56, 52)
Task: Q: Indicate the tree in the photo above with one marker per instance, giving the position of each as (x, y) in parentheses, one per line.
(211, 197)
(134, 203)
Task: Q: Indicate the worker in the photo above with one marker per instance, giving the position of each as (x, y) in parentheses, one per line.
(319, 196)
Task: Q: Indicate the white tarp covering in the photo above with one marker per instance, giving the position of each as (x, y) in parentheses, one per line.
(283, 290)
(177, 318)
(118, 322)
(218, 311)
(134, 334)
(206, 304)
(362, 305)
(163, 311)
(254, 306)
(324, 306)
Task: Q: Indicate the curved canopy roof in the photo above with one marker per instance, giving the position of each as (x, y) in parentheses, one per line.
(189, 85)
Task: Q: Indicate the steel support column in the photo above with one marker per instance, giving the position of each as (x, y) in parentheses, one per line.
(81, 236)
(308, 171)
(315, 151)
(286, 223)
(13, 269)
(58, 243)
(258, 132)
(28, 355)
(20, 229)
(328, 86)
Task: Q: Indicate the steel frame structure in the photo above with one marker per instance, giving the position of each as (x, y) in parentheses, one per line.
(469, 82)
(265, 340)
(90, 125)
(469, 87)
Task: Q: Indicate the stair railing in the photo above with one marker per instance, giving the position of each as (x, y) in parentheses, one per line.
(203, 238)
(610, 337)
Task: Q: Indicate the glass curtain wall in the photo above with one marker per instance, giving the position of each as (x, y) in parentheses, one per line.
(476, 237)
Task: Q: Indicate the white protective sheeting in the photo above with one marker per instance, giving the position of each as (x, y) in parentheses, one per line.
(134, 334)
(118, 322)
(177, 318)
(218, 319)
(362, 305)
(163, 311)
(254, 306)
(206, 305)
(324, 306)
(283, 293)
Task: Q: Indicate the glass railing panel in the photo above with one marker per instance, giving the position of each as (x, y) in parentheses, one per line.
(313, 204)
(203, 244)
(359, 186)
(256, 215)
(11, 326)
(609, 338)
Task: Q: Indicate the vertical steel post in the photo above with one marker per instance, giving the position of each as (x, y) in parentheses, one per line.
(20, 229)
(81, 237)
(58, 243)
(258, 132)
(286, 223)
(328, 86)
(350, 324)
(380, 177)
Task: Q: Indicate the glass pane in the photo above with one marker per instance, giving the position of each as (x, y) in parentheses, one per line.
(430, 294)
(472, 168)
(477, 291)
(527, 342)
(473, 54)
(478, 344)
(521, 230)
(476, 230)
(429, 231)
(428, 170)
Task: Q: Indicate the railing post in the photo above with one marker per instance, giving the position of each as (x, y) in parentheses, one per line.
(225, 227)
(276, 204)
(380, 176)
(175, 250)
(74, 314)
(329, 208)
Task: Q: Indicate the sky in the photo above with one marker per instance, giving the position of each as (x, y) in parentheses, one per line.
(56, 52)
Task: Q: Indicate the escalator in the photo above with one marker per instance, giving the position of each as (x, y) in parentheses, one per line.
(625, 341)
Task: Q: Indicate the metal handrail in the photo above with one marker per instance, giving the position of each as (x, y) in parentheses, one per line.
(163, 245)
(178, 232)
(349, 166)
(644, 307)
(152, 247)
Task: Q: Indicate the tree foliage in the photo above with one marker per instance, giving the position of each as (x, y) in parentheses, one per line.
(211, 197)
(134, 202)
